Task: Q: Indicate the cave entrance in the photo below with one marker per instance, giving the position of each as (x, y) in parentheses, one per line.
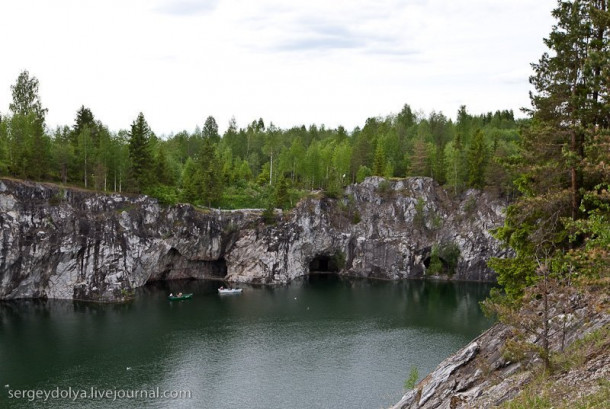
(217, 268)
(436, 265)
(324, 264)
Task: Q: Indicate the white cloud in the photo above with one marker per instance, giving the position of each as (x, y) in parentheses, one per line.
(300, 62)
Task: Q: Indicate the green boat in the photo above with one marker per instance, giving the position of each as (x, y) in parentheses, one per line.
(180, 297)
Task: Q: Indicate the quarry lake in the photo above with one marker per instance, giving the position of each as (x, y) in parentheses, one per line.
(321, 342)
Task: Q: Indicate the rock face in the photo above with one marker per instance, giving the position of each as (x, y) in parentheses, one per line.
(481, 376)
(67, 243)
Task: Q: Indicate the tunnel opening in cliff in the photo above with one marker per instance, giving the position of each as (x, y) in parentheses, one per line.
(217, 268)
(436, 265)
(324, 263)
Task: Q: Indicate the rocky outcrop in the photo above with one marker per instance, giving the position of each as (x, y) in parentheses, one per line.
(483, 374)
(379, 229)
(68, 243)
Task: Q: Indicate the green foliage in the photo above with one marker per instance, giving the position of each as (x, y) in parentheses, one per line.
(411, 381)
(471, 205)
(199, 166)
(26, 100)
(338, 260)
(541, 391)
(210, 178)
(444, 259)
(385, 189)
(563, 152)
(450, 252)
(436, 265)
(57, 198)
(269, 215)
(419, 219)
(140, 171)
(363, 173)
(191, 179)
(514, 274)
(166, 195)
(245, 196)
(210, 130)
(282, 198)
(379, 162)
(477, 159)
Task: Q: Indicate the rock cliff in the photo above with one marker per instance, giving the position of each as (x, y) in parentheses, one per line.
(67, 243)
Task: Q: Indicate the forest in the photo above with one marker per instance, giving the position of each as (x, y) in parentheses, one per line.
(258, 166)
(553, 167)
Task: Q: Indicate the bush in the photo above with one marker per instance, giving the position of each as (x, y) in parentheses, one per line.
(269, 215)
(57, 198)
(384, 189)
(450, 252)
(443, 259)
(166, 195)
(436, 265)
(362, 173)
(419, 219)
(338, 259)
(411, 381)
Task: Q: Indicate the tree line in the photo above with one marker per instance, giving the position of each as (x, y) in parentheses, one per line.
(559, 224)
(258, 165)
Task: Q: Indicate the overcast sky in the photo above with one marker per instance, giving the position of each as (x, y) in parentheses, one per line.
(332, 62)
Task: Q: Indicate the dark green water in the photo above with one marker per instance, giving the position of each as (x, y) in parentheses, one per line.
(318, 343)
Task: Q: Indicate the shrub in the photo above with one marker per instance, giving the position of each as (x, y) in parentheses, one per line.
(338, 260)
(362, 173)
(436, 265)
(419, 219)
(450, 253)
(269, 215)
(411, 381)
(384, 189)
(165, 195)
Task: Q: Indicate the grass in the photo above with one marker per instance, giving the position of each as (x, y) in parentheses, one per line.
(537, 396)
(545, 392)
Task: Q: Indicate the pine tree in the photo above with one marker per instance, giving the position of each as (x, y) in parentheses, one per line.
(570, 113)
(419, 159)
(208, 164)
(140, 171)
(163, 173)
(191, 182)
(210, 129)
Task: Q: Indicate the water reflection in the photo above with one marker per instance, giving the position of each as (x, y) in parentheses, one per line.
(322, 341)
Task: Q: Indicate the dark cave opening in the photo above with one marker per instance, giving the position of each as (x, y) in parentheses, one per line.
(218, 268)
(324, 264)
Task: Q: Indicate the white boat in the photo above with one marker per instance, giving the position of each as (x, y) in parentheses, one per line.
(230, 290)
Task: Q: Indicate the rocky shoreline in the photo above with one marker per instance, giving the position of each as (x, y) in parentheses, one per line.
(68, 243)
(483, 374)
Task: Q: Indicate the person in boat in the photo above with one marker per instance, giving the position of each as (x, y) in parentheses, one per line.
(222, 287)
(179, 294)
(171, 294)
